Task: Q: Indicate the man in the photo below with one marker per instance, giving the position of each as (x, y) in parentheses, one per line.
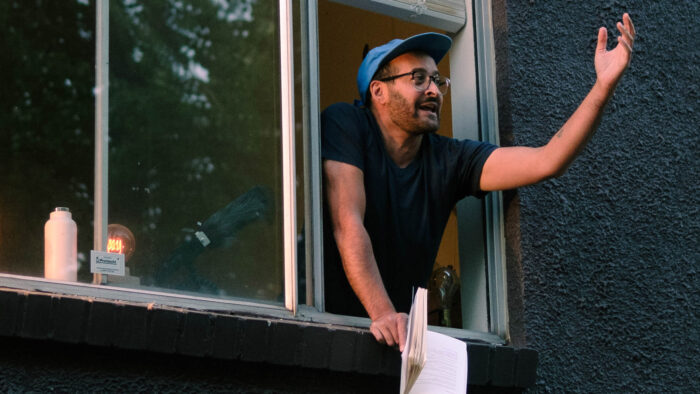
(390, 182)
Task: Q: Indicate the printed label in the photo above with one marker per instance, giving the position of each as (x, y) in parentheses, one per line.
(107, 263)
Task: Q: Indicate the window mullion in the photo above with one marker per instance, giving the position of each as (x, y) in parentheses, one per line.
(288, 167)
(312, 156)
(488, 103)
(101, 127)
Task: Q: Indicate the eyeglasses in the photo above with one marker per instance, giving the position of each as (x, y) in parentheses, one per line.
(421, 80)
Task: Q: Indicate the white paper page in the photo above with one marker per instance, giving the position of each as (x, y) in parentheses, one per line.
(406, 349)
(417, 327)
(445, 371)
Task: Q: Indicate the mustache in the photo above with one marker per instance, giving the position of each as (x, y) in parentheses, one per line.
(429, 100)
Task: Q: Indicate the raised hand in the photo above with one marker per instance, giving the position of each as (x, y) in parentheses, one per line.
(610, 65)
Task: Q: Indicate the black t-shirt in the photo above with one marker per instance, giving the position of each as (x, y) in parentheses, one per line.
(406, 208)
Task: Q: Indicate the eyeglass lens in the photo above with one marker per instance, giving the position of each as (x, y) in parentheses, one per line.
(421, 81)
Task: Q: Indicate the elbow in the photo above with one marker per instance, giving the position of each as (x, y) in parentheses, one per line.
(345, 228)
(552, 170)
(558, 172)
(339, 234)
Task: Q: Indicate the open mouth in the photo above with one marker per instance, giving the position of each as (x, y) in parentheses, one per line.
(429, 106)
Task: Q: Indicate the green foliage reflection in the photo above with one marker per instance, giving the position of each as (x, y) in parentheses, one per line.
(193, 122)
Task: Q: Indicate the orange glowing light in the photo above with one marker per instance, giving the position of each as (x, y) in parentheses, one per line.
(120, 240)
(115, 245)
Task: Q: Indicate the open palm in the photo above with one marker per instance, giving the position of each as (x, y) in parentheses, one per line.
(610, 65)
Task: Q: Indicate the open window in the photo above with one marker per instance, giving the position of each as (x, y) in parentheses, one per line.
(200, 134)
(472, 242)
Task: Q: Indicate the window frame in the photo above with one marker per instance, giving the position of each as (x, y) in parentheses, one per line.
(100, 217)
(480, 36)
(474, 49)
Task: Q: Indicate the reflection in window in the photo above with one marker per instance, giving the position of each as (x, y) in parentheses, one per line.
(194, 153)
(194, 134)
(46, 127)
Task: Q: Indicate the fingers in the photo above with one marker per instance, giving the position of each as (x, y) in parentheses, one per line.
(624, 43)
(401, 323)
(390, 329)
(602, 40)
(625, 38)
(627, 32)
(383, 333)
(378, 334)
(628, 24)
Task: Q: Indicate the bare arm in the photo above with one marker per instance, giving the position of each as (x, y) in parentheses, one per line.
(345, 193)
(513, 167)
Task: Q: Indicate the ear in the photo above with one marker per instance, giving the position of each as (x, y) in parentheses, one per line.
(377, 91)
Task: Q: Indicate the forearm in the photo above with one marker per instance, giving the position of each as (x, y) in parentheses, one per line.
(568, 142)
(517, 166)
(345, 194)
(361, 269)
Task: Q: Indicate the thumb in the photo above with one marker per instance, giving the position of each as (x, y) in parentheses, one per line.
(602, 40)
(402, 323)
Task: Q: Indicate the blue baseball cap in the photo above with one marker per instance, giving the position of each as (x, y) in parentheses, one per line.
(434, 44)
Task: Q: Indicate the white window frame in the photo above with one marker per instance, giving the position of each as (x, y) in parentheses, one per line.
(462, 58)
(474, 101)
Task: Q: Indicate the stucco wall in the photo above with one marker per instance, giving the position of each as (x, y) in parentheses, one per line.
(609, 251)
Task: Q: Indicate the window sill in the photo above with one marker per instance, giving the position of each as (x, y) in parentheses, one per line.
(249, 338)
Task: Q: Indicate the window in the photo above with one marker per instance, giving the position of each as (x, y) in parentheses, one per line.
(206, 118)
(472, 243)
(194, 137)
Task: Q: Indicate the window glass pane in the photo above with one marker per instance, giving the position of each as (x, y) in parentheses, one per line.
(46, 128)
(195, 138)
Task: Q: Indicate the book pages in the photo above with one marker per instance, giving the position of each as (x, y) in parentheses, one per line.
(445, 369)
(431, 362)
(414, 352)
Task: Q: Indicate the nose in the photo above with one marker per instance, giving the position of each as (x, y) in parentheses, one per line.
(432, 88)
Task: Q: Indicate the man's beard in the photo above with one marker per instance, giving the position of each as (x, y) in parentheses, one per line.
(409, 117)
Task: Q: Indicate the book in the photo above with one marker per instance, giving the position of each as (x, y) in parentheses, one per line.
(431, 362)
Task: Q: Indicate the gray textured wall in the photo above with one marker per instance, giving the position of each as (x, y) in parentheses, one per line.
(609, 252)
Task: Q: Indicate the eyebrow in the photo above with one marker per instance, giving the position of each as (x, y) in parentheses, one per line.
(437, 72)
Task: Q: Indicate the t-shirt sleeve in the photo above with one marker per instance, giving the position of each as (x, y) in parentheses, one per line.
(470, 162)
(342, 134)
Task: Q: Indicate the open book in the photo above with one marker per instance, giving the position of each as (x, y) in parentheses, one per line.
(431, 362)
